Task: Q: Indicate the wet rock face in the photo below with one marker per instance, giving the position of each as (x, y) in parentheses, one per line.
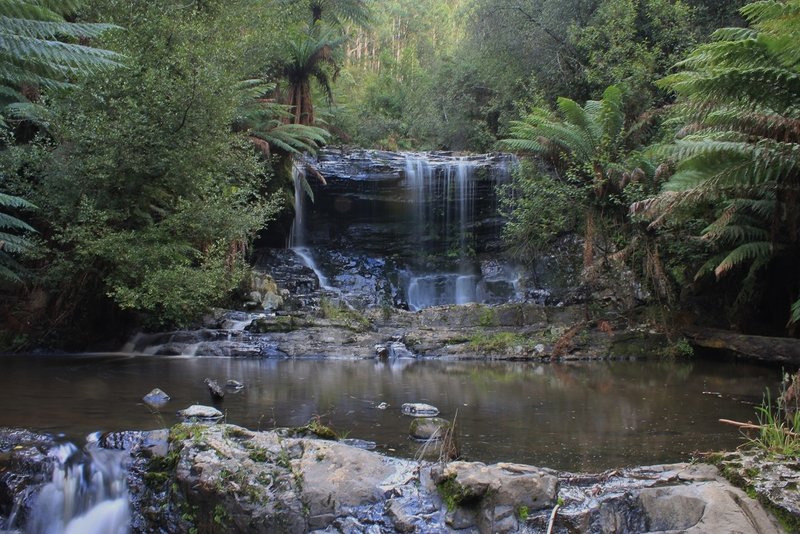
(24, 467)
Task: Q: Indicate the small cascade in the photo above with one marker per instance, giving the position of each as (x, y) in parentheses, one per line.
(297, 235)
(87, 495)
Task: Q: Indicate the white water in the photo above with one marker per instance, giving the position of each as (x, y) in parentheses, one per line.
(297, 235)
(88, 493)
(443, 196)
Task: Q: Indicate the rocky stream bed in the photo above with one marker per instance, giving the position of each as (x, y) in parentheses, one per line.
(207, 478)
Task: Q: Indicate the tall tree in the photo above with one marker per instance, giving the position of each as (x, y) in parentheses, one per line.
(311, 57)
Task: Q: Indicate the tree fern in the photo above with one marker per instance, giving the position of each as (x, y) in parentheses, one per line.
(738, 96)
(11, 243)
(587, 143)
(38, 48)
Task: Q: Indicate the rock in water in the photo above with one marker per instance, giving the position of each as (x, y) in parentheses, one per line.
(234, 385)
(429, 428)
(156, 398)
(418, 409)
(198, 412)
(217, 393)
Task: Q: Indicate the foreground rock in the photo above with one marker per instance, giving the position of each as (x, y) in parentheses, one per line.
(24, 467)
(773, 479)
(224, 478)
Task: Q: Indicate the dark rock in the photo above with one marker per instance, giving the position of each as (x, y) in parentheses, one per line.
(25, 467)
(216, 391)
(359, 443)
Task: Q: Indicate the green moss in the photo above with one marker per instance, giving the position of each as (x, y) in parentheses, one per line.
(156, 478)
(451, 493)
(343, 315)
(454, 495)
(221, 516)
(281, 323)
(258, 454)
(488, 317)
(522, 513)
(498, 342)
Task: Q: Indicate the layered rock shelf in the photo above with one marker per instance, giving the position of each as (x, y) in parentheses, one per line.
(224, 478)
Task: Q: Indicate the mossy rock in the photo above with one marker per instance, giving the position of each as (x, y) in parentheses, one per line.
(429, 428)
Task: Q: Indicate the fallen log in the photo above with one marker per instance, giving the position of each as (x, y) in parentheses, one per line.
(763, 348)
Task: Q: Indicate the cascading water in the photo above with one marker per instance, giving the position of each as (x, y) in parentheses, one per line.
(297, 235)
(87, 495)
(410, 230)
(443, 198)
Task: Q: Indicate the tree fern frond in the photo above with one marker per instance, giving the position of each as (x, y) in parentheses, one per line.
(744, 253)
(52, 29)
(12, 201)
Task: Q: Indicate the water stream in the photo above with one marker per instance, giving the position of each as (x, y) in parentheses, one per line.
(86, 495)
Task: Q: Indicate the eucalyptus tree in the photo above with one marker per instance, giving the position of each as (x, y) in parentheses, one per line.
(739, 151)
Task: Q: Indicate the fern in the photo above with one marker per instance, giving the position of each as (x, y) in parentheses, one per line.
(740, 145)
(38, 48)
(11, 240)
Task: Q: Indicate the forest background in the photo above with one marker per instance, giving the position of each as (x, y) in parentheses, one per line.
(146, 146)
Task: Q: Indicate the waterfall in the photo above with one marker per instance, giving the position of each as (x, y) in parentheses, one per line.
(87, 495)
(297, 235)
(442, 197)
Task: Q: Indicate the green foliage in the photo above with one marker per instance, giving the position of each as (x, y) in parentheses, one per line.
(151, 196)
(775, 435)
(633, 41)
(590, 150)
(266, 123)
(738, 150)
(540, 208)
(12, 235)
(38, 49)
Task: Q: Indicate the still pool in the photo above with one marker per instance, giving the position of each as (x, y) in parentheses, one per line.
(584, 416)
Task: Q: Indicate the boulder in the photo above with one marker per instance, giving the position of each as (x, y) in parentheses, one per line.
(156, 398)
(216, 391)
(25, 466)
(418, 409)
(429, 428)
(198, 412)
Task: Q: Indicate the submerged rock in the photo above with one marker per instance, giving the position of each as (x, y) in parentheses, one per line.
(198, 412)
(428, 428)
(156, 398)
(418, 409)
(234, 385)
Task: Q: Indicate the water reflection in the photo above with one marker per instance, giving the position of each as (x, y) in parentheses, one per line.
(583, 416)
